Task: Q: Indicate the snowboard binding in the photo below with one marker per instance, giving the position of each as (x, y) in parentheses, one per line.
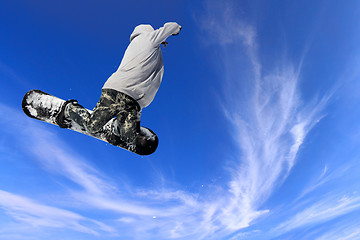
(61, 120)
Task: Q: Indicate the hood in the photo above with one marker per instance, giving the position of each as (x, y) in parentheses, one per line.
(143, 28)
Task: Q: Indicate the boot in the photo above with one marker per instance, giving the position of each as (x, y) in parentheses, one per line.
(113, 139)
(61, 119)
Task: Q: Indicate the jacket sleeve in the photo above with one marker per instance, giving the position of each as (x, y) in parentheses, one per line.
(161, 34)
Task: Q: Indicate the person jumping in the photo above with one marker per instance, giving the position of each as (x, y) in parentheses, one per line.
(127, 91)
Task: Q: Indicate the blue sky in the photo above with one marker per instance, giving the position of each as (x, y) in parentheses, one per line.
(257, 118)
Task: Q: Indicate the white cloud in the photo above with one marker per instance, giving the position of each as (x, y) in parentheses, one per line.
(269, 122)
(345, 232)
(222, 27)
(319, 212)
(38, 215)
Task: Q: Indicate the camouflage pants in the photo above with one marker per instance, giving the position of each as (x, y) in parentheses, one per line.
(111, 104)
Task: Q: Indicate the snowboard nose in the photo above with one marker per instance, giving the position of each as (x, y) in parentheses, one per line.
(146, 142)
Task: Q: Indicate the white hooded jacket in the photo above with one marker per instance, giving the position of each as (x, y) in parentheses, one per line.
(141, 70)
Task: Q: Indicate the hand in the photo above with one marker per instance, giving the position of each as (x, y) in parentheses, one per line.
(164, 43)
(177, 31)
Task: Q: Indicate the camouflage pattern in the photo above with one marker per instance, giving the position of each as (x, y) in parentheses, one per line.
(111, 104)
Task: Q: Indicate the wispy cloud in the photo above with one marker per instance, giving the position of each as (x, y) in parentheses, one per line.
(39, 215)
(222, 26)
(345, 232)
(8, 72)
(320, 212)
(269, 124)
(328, 177)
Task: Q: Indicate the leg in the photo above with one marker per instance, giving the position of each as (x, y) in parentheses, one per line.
(93, 122)
(104, 111)
(125, 128)
(127, 123)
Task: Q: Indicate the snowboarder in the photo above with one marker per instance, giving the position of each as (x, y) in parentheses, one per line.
(127, 91)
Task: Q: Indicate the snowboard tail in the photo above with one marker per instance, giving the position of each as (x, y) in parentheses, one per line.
(45, 107)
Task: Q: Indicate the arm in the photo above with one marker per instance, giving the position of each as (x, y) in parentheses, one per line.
(161, 34)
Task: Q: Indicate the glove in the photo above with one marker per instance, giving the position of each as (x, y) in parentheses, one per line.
(177, 33)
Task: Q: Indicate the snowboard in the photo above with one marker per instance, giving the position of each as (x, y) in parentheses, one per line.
(45, 107)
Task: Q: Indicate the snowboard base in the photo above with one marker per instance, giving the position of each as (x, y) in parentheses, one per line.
(45, 107)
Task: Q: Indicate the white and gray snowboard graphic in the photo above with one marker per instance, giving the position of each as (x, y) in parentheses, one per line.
(45, 107)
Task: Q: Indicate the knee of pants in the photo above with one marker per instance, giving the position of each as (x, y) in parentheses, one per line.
(93, 127)
(126, 128)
